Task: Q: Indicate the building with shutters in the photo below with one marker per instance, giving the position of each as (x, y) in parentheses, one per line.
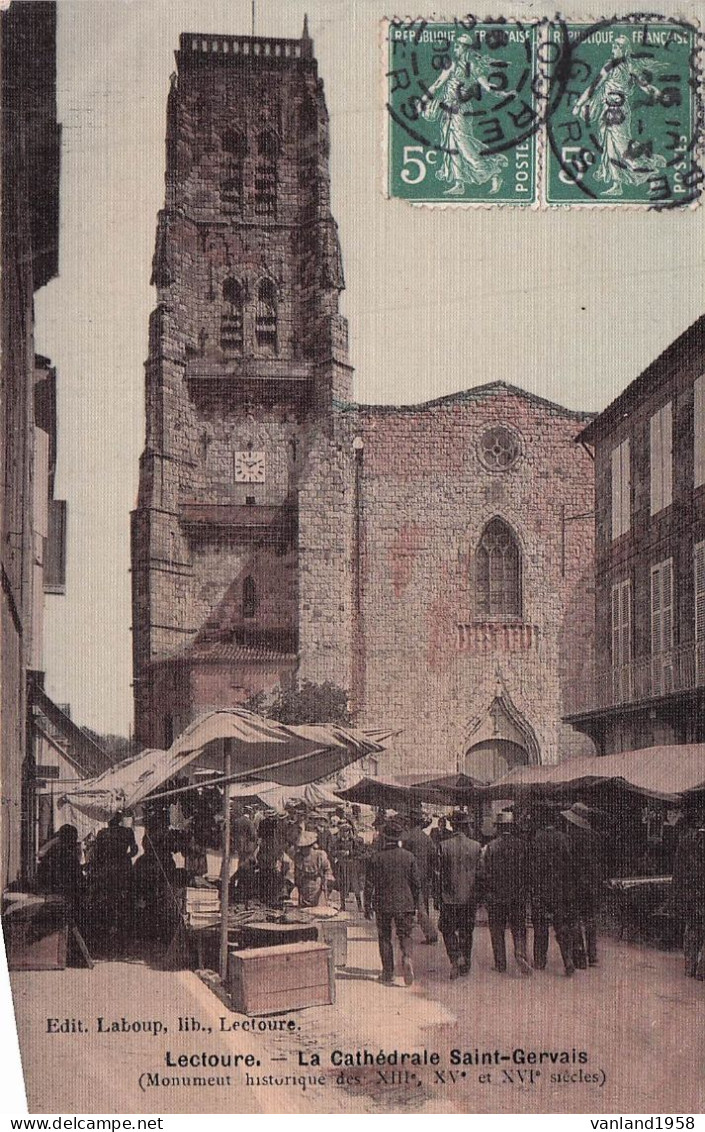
(33, 521)
(432, 561)
(649, 444)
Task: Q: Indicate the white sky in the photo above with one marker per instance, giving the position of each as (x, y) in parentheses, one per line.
(568, 304)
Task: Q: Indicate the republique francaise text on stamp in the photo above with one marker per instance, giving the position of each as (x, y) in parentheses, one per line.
(550, 113)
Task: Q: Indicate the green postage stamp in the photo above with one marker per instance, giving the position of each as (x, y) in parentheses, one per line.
(463, 111)
(548, 113)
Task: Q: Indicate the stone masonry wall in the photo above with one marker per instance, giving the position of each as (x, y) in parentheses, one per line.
(426, 499)
(232, 120)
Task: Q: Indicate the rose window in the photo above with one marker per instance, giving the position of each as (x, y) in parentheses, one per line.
(498, 449)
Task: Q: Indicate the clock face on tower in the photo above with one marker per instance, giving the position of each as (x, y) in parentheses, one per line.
(249, 467)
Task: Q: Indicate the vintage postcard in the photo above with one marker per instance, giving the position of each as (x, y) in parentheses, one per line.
(353, 557)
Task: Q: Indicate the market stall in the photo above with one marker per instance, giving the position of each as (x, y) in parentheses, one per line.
(638, 798)
(248, 757)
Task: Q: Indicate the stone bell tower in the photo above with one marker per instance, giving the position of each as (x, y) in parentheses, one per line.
(247, 359)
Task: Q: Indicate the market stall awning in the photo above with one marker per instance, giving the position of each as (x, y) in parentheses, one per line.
(288, 756)
(392, 793)
(458, 788)
(665, 772)
(277, 797)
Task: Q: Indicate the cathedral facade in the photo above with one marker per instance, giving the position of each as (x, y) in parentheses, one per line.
(433, 562)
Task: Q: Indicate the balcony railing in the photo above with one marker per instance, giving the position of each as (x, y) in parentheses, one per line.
(647, 678)
(497, 636)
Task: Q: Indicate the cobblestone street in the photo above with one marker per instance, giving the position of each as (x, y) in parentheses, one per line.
(636, 1018)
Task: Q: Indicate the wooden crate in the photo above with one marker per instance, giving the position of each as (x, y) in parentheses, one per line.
(27, 953)
(266, 980)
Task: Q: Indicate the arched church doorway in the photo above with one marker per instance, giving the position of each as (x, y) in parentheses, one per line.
(491, 759)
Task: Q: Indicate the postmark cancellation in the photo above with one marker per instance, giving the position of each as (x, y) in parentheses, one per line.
(551, 112)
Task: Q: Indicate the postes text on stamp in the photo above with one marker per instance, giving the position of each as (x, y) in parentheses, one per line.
(623, 115)
(463, 105)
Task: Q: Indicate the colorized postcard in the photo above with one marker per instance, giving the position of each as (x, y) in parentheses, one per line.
(353, 558)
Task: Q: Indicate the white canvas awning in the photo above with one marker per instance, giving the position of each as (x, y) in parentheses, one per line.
(667, 772)
(312, 794)
(259, 748)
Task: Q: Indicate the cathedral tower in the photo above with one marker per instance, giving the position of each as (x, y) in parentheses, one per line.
(247, 359)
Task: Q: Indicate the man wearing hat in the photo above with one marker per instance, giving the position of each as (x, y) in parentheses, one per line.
(587, 878)
(552, 890)
(459, 855)
(312, 871)
(419, 843)
(393, 891)
(505, 880)
(689, 893)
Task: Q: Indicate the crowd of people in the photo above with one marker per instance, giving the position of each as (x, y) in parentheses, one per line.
(544, 867)
(551, 874)
(114, 895)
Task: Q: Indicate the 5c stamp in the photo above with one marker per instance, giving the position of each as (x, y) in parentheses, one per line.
(464, 113)
(623, 121)
(548, 113)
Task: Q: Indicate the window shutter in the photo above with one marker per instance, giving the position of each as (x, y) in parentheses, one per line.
(655, 464)
(626, 501)
(656, 620)
(55, 548)
(626, 623)
(621, 640)
(699, 432)
(667, 604)
(621, 489)
(666, 455)
(699, 588)
(616, 494)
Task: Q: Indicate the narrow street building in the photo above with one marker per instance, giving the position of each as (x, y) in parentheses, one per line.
(649, 444)
(32, 522)
(434, 561)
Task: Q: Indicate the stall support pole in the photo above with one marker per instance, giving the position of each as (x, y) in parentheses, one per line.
(225, 867)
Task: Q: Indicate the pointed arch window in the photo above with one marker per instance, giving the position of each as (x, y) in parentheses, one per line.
(266, 174)
(266, 317)
(498, 572)
(249, 598)
(231, 332)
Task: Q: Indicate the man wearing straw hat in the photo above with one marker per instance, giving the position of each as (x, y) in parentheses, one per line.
(587, 875)
(312, 871)
(552, 882)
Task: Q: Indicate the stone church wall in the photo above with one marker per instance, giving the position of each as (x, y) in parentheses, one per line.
(433, 662)
(360, 535)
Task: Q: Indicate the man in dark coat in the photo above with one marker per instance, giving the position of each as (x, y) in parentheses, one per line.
(419, 843)
(111, 883)
(688, 895)
(504, 870)
(459, 856)
(552, 891)
(392, 891)
(585, 854)
(59, 870)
